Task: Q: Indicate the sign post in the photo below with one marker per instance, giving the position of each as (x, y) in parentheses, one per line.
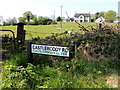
(20, 33)
(50, 50)
(29, 53)
(72, 51)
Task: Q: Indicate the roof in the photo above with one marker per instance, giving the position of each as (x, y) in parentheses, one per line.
(84, 14)
(100, 20)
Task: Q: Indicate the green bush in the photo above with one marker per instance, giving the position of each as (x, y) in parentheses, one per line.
(17, 59)
(20, 77)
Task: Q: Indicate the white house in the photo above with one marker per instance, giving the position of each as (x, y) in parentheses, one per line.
(82, 17)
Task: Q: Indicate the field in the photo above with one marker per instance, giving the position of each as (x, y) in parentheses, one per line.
(46, 30)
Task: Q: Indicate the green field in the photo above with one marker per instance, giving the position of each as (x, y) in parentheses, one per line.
(46, 30)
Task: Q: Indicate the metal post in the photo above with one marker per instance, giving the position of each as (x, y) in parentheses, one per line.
(72, 51)
(29, 52)
(13, 37)
(61, 16)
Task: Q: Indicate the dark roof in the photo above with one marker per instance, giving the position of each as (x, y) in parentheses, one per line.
(84, 14)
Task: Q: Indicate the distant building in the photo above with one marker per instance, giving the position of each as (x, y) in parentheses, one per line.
(119, 8)
(82, 17)
(100, 20)
(117, 20)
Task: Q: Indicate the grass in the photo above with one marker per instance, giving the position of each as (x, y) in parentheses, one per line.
(0, 79)
(86, 74)
(45, 30)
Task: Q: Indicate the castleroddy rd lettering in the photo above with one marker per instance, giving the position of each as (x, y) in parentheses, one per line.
(50, 50)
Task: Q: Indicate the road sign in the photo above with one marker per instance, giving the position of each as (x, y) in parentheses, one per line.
(50, 50)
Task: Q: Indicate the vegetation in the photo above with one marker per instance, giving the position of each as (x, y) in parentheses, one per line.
(30, 19)
(57, 72)
(99, 14)
(10, 21)
(110, 16)
(86, 74)
(59, 19)
(28, 15)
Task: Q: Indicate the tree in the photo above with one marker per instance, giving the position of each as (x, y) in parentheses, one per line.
(67, 20)
(110, 15)
(102, 14)
(10, 21)
(22, 19)
(35, 20)
(59, 19)
(28, 15)
(97, 15)
(13, 21)
(44, 21)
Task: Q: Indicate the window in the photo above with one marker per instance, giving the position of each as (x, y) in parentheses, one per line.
(86, 20)
(81, 20)
(86, 17)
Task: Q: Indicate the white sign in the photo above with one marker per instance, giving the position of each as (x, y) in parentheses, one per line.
(50, 50)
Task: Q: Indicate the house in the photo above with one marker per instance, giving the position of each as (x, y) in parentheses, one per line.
(100, 20)
(117, 20)
(82, 17)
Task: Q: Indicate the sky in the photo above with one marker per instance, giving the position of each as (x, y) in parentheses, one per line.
(16, 8)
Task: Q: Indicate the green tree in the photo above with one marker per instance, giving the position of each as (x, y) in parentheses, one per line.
(22, 19)
(10, 21)
(35, 20)
(102, 14)
(28, 15)
(44, 21)
(110, 15)
(97, 15)
(14, 21)
(59, 19)
(67, 20)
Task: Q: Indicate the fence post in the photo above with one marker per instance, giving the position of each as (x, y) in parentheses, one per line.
(20, 33)
(29, 52)
(72, 51)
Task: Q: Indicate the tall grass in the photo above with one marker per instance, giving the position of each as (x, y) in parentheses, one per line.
(77, 73)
